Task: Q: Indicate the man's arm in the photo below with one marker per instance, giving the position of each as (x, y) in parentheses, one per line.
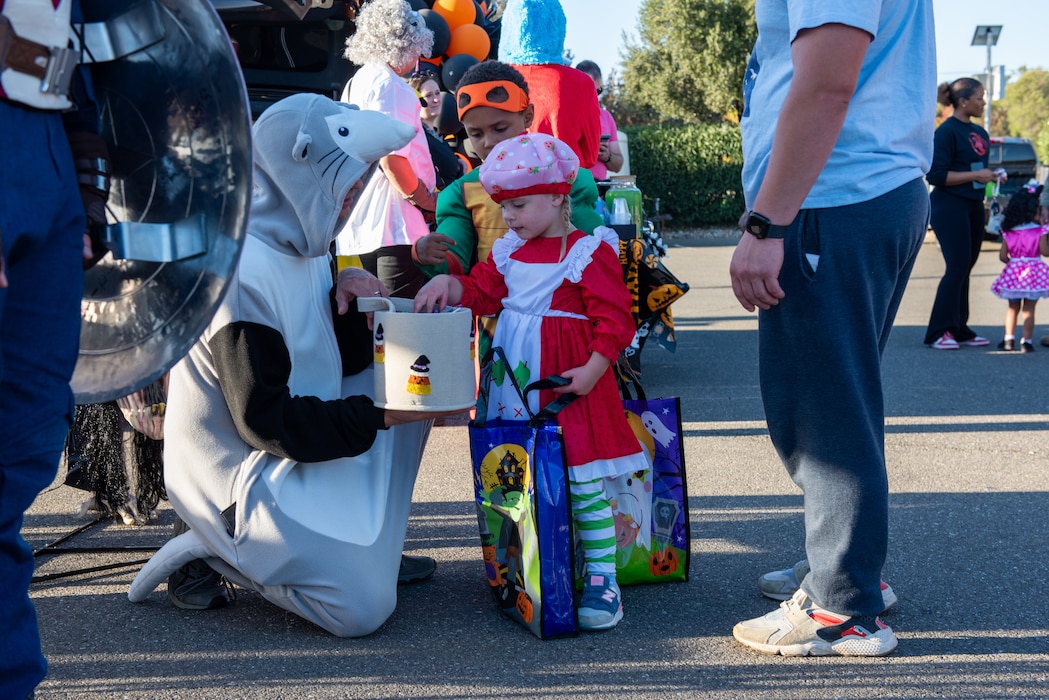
(827, 61)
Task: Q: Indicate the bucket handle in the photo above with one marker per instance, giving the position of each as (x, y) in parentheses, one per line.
(366, 304)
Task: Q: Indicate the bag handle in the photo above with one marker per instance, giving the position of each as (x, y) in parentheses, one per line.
(534, 419)
(625, 377)
(554, 407)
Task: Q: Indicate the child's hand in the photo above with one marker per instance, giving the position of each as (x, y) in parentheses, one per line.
(431, 248)
(438, 293)
(584, 377)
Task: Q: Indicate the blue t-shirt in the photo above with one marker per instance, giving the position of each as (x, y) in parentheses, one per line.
(886, 140)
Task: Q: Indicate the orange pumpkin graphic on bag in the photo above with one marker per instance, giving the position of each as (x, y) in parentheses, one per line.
(663, 562)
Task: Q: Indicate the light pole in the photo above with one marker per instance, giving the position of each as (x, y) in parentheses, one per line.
(987, 35)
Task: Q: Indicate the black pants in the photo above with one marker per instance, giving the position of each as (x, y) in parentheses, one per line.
(959, 227)
(394, 267)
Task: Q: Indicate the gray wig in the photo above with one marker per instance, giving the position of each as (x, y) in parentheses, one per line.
(389, 32)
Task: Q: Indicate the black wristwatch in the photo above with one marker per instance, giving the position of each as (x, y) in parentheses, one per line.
(759, 226)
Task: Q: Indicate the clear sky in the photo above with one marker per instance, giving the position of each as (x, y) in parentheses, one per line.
(595, 28)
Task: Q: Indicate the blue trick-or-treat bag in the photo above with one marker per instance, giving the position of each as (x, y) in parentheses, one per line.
(523, 511)
(524, 522)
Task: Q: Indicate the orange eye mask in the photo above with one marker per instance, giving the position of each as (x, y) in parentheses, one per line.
(500, 94)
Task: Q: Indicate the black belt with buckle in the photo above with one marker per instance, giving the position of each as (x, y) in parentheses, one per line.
(52, 65)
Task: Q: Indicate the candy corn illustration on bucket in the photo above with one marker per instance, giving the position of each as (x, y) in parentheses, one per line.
(424, 361)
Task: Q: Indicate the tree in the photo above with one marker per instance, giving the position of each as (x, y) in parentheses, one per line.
(626, 111)
(690, 61)
(1025, 109)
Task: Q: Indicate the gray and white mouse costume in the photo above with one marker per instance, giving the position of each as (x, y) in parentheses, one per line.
(281, 466)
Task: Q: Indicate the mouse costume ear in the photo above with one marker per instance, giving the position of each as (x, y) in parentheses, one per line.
(301, 148)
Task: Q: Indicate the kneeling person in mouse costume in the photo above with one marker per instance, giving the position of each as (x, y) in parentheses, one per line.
(289, 480)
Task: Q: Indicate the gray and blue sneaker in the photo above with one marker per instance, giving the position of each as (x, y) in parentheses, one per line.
(600, 608)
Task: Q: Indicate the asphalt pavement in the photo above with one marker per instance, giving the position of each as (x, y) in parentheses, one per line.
(968, 451)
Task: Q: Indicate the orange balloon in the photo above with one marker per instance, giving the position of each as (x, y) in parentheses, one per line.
(470, 39)
(455, 12)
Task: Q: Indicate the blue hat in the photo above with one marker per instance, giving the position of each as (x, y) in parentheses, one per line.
(533, 32)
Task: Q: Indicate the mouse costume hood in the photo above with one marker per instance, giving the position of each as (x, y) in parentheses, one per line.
(309, 152)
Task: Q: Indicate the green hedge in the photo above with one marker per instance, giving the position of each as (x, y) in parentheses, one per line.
(694, 170)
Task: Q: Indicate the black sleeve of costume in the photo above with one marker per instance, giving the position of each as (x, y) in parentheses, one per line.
(253, 366)
(354, 338)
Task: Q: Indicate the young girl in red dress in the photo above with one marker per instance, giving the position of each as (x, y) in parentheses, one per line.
(564, 310)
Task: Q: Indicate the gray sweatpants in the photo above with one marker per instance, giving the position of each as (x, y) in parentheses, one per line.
(820, 353)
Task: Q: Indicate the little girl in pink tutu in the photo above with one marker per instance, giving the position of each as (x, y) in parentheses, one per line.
(1025, 278)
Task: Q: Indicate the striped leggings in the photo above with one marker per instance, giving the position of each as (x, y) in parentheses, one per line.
(592, 514)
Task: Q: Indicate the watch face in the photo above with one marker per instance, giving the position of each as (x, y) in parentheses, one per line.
(758, 225)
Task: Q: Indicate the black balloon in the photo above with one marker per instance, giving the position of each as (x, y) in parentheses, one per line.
(441, 33)
(453, 69)
(478, 14)
(419, 5)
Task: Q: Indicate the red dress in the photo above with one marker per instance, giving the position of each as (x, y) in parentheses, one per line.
(554, 313)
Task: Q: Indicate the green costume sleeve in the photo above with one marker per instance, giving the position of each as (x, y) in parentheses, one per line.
(584, 203)
(454, 220)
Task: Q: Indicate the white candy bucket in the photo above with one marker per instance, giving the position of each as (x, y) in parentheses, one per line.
(424, 361)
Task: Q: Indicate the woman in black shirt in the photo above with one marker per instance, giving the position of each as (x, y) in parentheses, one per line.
(959, 172)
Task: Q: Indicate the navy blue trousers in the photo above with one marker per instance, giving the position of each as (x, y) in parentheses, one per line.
(959, 227)
(820, 352)
(42, 224)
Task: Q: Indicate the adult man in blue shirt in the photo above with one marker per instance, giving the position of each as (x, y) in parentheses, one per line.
(837, 135)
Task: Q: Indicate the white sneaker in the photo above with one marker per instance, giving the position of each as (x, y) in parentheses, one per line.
(799, 627)
(783, 584)
(977, 341)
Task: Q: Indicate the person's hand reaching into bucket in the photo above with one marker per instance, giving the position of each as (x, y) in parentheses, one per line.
(354, 282)
(438, 293)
